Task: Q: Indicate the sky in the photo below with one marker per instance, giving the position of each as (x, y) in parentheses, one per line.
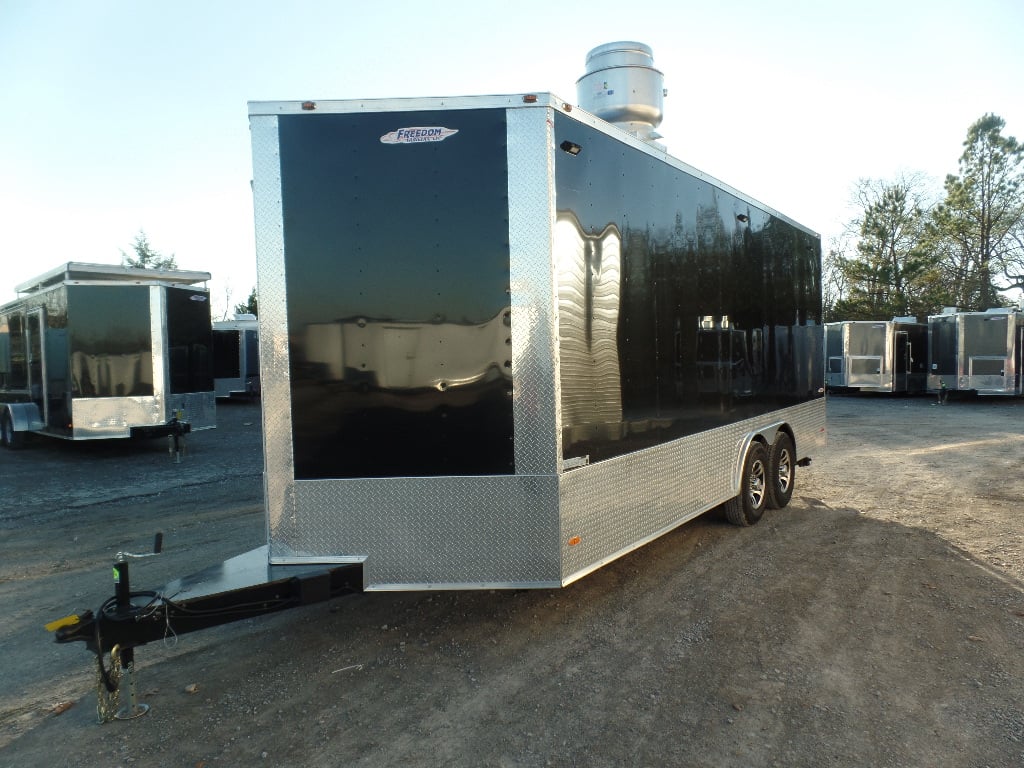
(122, 117)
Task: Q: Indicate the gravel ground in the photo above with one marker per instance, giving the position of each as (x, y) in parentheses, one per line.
(878, 620)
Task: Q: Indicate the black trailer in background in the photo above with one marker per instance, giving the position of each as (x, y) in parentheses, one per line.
(976, 352)
(93, 351)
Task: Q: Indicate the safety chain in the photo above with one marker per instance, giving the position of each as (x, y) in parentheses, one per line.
(107, 701)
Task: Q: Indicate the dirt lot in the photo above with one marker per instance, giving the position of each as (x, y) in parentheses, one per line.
(877, 621)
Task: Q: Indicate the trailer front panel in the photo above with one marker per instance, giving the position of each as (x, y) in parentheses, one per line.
(503, 342)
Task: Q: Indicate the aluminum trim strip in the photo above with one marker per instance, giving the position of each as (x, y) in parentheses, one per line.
(273, 325)
(531, 211)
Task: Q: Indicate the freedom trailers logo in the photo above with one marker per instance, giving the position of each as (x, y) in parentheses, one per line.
(417, 135)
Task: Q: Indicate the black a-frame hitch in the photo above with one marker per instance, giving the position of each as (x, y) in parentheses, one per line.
(243, 587)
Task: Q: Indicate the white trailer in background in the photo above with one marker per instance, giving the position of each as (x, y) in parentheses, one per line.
(236, 359)
(876, 355)
(976, 352)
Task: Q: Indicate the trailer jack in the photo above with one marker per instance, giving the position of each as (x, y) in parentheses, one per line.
(176, 439)
(240, 588)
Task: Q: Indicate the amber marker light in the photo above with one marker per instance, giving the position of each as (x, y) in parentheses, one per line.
(574, 541)
(309, 106)
(530, 98)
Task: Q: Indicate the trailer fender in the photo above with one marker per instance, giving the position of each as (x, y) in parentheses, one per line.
(15, 420)
(741, 456)
(750, 482)
(25, 417)
(779, 444)
(768, 436)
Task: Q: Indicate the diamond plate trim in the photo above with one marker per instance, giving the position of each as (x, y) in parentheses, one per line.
(465, 532)
(617, 505)
(531, 206)
(279, 467)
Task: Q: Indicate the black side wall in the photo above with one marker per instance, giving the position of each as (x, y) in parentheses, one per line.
(688, 307)
(691, 254)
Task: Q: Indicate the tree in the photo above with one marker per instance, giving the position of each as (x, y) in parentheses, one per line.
(978, 230)
(889, 269)
(834, 285)
(145, 257)
(249, 307)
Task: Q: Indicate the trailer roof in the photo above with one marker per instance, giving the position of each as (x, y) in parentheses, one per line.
(76, 270)
(533, 100)
(241, 322)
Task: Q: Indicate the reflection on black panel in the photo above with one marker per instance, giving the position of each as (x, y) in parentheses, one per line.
(226, 354)
(13, 356)
(681, 306)
(110, 341)
(57, 356)
(252, 353)
(987, 335)
(942, 345)
(189, 341)
(397, 275)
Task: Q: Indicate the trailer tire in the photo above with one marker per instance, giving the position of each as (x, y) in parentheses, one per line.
(8, 437)
(747, 508)
(781, 471)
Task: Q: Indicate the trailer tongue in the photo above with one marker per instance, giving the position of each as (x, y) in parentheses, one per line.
(243, 587)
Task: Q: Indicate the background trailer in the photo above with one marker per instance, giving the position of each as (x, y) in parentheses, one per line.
(236, 360)
(484, 351)
(980, 352)
(93, 351)
(877, 356)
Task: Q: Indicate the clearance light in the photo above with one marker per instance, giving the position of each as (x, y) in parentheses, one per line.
(574, 541)
(530, 98)
(309, 106)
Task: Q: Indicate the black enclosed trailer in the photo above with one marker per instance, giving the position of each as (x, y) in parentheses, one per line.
(492, 340)
(95, 351)
(977, 352)
(503, 342)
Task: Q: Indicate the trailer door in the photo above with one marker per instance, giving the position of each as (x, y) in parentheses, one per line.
(901, 362)
(37, 362)
(1018, 379)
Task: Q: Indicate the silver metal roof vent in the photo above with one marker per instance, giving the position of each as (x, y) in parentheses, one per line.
(623, 87)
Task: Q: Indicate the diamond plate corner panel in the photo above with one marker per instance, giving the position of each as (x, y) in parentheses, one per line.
(531, 213)
(273, 325)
